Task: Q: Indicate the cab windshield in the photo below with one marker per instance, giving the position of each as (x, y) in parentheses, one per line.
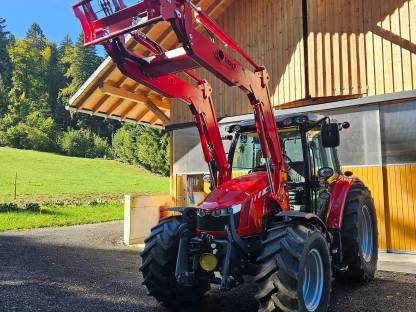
(248, 156)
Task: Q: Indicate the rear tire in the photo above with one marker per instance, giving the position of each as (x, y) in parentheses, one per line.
(158, 267)
(359, 236)
(294, 270)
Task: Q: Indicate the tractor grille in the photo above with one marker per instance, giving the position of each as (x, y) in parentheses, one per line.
(210, 223)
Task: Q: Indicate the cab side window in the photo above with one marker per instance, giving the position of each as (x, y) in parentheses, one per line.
(320, 156)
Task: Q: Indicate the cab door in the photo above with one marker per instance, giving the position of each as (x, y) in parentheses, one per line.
(319, 157)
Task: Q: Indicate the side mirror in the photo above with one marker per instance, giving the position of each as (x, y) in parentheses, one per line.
(330, 135)
(326, 172)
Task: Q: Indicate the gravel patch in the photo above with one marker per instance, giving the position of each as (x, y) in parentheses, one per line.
(87, 268)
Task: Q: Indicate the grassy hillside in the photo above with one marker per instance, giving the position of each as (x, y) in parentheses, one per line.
(44, 176)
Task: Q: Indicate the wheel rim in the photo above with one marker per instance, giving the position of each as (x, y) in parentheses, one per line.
(366, 235)
(313, 282)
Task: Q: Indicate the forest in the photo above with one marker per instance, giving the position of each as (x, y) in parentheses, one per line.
(37, 79)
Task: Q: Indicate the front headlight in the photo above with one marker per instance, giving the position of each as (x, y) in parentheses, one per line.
(221, 212)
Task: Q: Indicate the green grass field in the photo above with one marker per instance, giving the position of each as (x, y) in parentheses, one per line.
(48, 177)
(55, 216)
(68, 189)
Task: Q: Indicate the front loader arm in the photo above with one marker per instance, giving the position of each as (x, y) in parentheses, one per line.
(159, 73)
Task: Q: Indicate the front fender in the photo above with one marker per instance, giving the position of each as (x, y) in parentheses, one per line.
(339, 193)
(305, 219)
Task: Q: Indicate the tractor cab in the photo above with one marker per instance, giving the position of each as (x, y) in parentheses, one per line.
(309, 145)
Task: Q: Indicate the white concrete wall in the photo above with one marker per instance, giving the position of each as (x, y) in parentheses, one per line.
(141, 214)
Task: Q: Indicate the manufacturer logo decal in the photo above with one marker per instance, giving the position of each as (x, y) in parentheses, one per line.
(220, 55)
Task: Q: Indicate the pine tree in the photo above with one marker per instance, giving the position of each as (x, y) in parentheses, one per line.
(5, 67)
(81, 63)
(37, 37)
(55, 80)
(61, 115)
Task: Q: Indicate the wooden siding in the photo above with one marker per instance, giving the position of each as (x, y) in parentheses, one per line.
(271, 32)
(355, 48)
(390, 31)
(393, 188)
(373, 179)
(336, 48)
(400, 188)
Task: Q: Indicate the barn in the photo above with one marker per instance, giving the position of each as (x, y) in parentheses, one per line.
(354, 60)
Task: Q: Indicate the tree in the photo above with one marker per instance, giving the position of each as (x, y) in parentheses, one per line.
(37, 37)
(29, 91)
(5, 67)
(64, 49)
(37, 78)
(29, 122)
(81, 64)
(61, 115)
(55, 81)
(5, 64)
(4, 99)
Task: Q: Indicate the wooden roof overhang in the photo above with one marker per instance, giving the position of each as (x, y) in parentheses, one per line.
(110, 94)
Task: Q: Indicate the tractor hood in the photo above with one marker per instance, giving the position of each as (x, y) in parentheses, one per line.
(236, 191)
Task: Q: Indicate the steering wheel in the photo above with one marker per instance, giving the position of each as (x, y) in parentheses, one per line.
(287, 161)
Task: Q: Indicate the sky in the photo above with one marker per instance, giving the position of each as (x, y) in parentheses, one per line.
(55, 17)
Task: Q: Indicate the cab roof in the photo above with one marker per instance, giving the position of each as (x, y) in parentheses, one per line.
(282, 121)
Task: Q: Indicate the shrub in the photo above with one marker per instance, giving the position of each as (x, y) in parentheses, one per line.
(100, 148)
(147, 147)
(12, 207)
(8, 207)
(82, 143)
(77, 143)
(124, 144)
(36, 133)
(153, 150)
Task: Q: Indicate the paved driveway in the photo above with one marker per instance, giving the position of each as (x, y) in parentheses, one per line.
(86, 268)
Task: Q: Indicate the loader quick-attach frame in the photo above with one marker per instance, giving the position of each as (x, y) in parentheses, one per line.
(159, 73)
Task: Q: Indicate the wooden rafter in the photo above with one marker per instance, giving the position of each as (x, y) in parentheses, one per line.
(114, 107)
(137, 97)
(154, 120)
(142, 114)
(155, 110)
(128, 109)
(99, 104)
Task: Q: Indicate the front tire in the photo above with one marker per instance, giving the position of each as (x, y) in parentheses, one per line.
(359, 236)
(158, 267)
(294, 270)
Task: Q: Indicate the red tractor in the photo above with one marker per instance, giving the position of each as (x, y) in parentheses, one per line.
(291, 219)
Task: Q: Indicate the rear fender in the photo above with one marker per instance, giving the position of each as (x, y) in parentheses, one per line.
(339, 193)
